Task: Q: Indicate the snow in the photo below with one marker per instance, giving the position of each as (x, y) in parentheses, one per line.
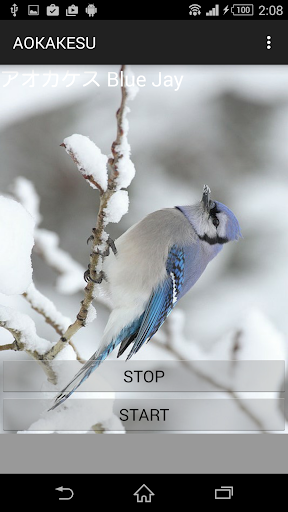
(112, 425)
(82, 410)
(71, 272)
(91, 314)
(78, 415)
(24, 324)
(42, 303)
(16, 235)
(93, 164)
(24, 191)
(89, 159)
(133, 89)
(117, 206)
(66, 354)
(125, 166)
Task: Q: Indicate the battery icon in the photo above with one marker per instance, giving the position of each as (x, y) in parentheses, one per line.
(242, 9)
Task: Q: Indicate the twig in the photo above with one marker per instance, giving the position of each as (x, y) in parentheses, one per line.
(86, 176)
(45, 308)
(100, 237)
(18, 344)
(9, 346)
(113, 161)
(189, 365)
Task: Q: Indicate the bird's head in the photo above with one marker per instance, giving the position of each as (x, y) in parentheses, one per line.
(213, 221)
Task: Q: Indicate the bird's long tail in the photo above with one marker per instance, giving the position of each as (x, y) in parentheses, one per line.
(84, 373)
(125, 337)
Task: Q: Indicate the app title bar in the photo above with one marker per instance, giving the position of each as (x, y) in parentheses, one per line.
(138, 42)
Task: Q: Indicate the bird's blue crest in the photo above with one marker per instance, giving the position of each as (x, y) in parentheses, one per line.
(233, 231)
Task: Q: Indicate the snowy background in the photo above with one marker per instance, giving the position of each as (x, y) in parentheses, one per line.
(226, 127)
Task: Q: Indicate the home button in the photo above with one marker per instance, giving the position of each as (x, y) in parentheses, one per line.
(144, 494)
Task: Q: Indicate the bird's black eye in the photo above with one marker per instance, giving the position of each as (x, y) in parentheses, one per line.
(215, 222)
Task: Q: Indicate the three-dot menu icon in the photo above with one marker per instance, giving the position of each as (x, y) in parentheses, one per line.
(268, 42)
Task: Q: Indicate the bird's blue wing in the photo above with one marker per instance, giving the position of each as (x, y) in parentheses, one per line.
(160, 304)
(162, 300)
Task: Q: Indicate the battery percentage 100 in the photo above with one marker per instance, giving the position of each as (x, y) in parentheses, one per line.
(242, 9)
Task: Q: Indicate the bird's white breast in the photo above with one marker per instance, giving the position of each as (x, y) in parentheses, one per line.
(140, 264)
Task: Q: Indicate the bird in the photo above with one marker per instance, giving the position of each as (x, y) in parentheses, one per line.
(153, 265)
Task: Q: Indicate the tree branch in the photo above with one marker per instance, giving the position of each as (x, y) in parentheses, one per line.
(86, 176)
(9, 346)
(45, 308)
(99, 237)
(19, 344)
(169, 346)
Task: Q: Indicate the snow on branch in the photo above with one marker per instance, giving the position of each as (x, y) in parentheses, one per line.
(47, 309)
(119, 172)
(122, 170)
(90, 161)
(23, 329)
(117, 206)
(70, 278)
(24, 191)
(109, 175)
(17, 240)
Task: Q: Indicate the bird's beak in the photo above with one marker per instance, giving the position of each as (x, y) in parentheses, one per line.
(206, 197)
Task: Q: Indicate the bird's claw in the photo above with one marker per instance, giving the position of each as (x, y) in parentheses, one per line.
(87, 274)
(110, 244)
(90, 238)
(98, 278)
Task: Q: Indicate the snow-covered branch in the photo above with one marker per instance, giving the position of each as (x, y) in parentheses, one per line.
(109, 176)
(46, 243)
(20, 227)
(90, 161)
(47, 309)
(17, 240)
(70, 278)
(23, 330)
(20, 222)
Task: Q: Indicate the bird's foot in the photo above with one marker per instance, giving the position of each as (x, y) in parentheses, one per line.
(98, 277)
(106, 252)
(111, 244)
(90, 238)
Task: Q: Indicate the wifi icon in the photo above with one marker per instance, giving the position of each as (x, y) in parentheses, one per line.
(194, 9)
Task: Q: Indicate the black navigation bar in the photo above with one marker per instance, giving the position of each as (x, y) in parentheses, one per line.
(159, 490)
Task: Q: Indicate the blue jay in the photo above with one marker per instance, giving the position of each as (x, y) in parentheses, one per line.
(158, 260)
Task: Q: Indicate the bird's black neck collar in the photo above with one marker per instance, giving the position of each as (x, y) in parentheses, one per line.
(215, 240)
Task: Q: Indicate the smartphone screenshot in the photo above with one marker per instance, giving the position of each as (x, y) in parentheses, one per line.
(143, 253)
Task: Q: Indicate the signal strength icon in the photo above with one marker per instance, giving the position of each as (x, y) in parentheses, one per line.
(214, 11)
